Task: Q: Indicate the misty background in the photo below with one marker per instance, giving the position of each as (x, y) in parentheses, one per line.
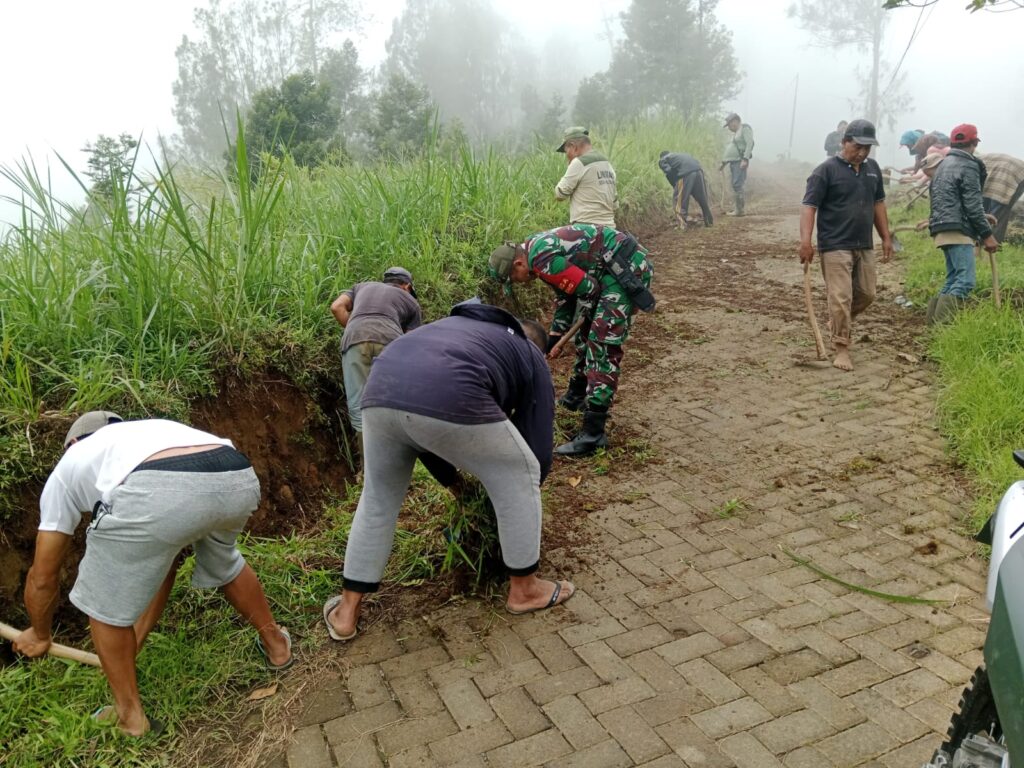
(507, 72)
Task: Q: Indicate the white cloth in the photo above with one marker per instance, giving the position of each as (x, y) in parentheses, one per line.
(591, 191)
(94, 466)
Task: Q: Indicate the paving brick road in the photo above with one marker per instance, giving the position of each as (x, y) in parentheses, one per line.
(693, 640)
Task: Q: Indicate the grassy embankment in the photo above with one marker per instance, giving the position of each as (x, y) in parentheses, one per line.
(981, 364)
(137, 308)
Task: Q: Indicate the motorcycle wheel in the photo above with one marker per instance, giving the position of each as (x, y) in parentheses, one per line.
(977, 713)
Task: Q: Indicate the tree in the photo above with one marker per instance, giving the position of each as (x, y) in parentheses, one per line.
(298, 118)
(341, 73)
(461, 51)
(400, 117)
(111, 165)
(242, 48)
(593, 104)
(859, 24)
(542, 118)
(972, 5)
(675, 54)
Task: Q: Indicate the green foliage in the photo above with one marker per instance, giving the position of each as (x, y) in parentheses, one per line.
(401, 117)
(299, 119)
(981, 367)
(675, 55)
(593, 100)
(242, 47)
(111, 165)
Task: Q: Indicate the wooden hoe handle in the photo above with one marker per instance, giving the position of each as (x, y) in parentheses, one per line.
(818, 341)
(56, 649)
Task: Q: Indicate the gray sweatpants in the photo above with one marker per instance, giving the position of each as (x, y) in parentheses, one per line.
(494, 453)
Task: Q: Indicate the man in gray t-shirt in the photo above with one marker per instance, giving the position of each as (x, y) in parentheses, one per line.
(373, 315)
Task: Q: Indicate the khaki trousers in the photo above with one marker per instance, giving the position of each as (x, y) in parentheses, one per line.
(850, 282)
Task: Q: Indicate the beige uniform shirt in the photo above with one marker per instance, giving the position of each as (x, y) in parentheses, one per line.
(589, 186)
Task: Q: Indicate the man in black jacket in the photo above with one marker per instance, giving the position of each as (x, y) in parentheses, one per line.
(471, 391)
(686, 176)
(958, 220)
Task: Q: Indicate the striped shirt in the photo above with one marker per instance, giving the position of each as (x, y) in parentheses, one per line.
(1005, 174)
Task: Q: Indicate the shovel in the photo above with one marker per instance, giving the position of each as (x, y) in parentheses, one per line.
(56, 649)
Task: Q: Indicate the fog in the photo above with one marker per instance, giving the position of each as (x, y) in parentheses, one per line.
(74, 70)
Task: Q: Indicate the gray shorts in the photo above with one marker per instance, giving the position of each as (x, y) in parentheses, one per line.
(131, 544)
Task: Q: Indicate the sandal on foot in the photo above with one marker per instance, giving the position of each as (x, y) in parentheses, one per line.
(329, 606)
(291, 656)
(550, 604)
(156, 727)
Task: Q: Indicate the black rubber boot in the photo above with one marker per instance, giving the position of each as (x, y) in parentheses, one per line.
(575, 394)
(590, 438)
(946, 306)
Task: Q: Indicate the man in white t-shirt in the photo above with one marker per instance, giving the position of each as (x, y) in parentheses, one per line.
(589, 181)
(154, 487)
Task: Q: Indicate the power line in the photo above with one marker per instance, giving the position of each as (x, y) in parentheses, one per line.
(918, 28)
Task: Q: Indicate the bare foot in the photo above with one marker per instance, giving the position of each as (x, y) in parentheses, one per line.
(843, 361)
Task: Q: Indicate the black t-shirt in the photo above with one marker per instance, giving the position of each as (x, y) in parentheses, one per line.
(846, 203)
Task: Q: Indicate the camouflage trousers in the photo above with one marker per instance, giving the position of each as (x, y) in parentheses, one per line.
(599, 344)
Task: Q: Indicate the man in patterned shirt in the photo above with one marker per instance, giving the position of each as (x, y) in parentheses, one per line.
(603, 276)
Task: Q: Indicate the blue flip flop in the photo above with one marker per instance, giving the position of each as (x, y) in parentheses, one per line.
(291, 656)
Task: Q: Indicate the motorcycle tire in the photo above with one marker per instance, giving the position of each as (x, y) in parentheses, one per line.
(977, 713)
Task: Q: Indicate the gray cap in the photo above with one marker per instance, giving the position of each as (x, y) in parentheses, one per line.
(88, 423)
(575, 133)
(730, 117)
(398, 275)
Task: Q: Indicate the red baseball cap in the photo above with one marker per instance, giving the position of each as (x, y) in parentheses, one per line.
(964, 133)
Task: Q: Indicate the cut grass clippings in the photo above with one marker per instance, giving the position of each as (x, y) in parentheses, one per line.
(856, 587)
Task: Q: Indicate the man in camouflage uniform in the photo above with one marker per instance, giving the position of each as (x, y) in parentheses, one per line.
(602, 275)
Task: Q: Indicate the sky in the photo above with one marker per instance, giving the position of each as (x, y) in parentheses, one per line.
(73, 70)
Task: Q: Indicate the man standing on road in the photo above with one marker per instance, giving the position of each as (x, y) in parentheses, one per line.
(737, 156)
(601, 276)
(958, 220)
(1002, 190)
(686, 176)
(847, 196)
(153, 487)
(373, 315)
(834, 141)
(589, 181)
(475, 391)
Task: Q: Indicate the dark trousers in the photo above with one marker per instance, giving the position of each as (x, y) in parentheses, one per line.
(739, 178)
(694, 184)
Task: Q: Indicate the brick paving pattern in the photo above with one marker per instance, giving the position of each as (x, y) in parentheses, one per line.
(693, 641)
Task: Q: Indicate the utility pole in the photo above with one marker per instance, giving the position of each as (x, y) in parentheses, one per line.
(792, 119)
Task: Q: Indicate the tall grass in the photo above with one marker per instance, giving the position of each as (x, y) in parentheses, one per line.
(981, 366)
(134, 302)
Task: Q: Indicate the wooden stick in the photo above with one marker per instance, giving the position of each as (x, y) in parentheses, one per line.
(819, 343)
(995, 280)
(557, 349)
(56, 649)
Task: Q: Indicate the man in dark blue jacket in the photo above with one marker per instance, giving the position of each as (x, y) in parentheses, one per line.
(471, 391)
(958, 220)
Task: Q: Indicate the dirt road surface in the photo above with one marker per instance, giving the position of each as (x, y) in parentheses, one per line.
(694, 640)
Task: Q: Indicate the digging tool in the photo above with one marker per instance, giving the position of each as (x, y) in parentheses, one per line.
(819, 343)
(56, 649)
(557, 349)
(995, 276)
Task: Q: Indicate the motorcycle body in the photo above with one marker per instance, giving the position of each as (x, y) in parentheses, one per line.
(988, 729)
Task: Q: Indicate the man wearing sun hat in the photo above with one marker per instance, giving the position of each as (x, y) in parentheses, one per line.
(589, 182)
(957, 219)
(846, 195)
(373, 315)
(153, 487)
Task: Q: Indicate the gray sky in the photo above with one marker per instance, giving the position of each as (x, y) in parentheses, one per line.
(73, 70)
